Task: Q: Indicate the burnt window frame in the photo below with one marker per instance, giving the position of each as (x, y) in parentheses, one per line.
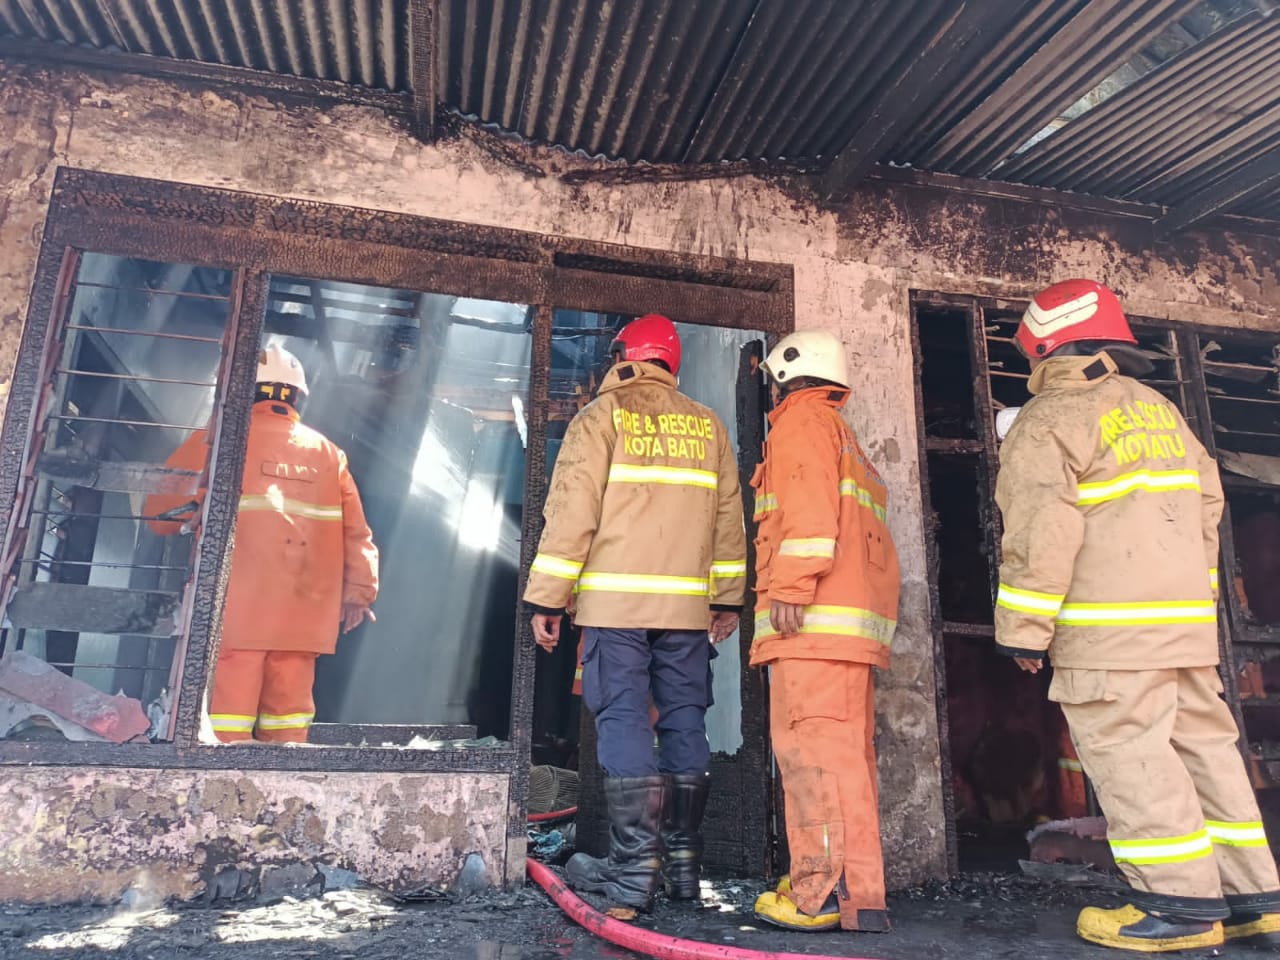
(257, 236)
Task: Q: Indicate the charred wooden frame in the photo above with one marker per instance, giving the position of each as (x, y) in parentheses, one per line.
(257, 236)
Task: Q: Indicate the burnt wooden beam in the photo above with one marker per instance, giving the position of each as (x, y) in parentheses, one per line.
(933, 61)
(79, 608)
(422, 66)
(117, 476)
(1261, 173)
(197, 73)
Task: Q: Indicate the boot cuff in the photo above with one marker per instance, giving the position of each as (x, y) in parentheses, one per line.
(1254, 902)
(1204, 909)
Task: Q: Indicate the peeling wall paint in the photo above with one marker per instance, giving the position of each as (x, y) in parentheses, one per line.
(854, 268)
(94, 835)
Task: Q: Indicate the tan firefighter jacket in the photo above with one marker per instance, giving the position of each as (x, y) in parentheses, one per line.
(1111, 510)
(644, 514)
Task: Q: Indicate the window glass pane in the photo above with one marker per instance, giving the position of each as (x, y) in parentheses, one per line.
(97, 590)
(708, 374)
(425, 394)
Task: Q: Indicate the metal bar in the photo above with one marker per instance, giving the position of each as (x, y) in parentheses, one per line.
(162, 293)
(109, 666)
(131, 378)
(70, 515)
(141, 333)
(54, 562)
(1259, 174)
(126, 423)
(422, 63)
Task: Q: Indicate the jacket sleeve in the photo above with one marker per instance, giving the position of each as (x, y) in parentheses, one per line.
(1211, 500)
(359, 554)
(1036, 491)
(729, 541)
(572, 511)
(189, 456)
(806, 481)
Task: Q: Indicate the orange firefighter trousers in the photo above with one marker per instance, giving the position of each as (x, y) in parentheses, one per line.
(823, 722)
(263, 695)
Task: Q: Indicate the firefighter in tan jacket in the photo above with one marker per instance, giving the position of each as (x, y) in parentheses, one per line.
(1111, 510)
(644, 522)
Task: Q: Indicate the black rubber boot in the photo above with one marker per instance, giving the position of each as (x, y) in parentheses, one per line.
(629, 875)
(682, 834)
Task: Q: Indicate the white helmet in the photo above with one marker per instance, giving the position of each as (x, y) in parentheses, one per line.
(278, 365)
(808, 353)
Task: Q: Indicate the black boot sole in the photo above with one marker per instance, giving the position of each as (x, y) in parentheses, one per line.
(616, 894)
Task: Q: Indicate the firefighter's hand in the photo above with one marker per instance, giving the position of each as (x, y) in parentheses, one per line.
(723, 623)
(546, 630)
(1028, 664)
(787, 618)
(354, 614)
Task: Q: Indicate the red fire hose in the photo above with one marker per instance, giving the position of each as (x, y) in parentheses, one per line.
(646, 941)
(553, 815)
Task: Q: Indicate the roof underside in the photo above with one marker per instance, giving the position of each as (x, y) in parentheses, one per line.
(1174, 103)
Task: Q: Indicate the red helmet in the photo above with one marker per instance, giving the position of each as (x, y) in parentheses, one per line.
(652, 337)
(1069, 311)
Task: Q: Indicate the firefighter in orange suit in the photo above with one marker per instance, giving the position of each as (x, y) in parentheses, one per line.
(826, 609)
(644, 520)
(1110, 551)
(303, 566)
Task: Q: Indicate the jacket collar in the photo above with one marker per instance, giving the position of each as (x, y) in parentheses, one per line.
(834, 397)
(1059, 373)
(275, 408)
(632, 372)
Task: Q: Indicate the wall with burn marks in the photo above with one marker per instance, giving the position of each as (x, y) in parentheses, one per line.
(93, 835)
(854, 267)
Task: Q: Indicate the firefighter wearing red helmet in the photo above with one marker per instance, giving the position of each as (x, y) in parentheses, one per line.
(644, 529)
(1111, 509)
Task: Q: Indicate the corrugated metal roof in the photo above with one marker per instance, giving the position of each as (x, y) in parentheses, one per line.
(361, 42)
(1146, 100)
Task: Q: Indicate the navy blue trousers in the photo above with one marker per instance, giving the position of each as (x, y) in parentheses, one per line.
(619, 670)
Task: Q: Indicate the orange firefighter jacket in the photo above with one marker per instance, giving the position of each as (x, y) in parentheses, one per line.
(822, 542)
(644, 518)
(1111, 510)
(302, 546)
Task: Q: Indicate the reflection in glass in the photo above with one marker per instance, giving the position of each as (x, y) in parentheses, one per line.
(708, 374)
(426, 394)
(96, 594)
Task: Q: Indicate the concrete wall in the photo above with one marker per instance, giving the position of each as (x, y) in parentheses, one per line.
(96, 835)
(854, 266)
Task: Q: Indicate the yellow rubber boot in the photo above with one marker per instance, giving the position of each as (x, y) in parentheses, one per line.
(784, 885)
(1130, 928)
(779, 909)
(1254, 929)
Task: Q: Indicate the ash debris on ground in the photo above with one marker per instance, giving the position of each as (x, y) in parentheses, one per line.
(975, 917)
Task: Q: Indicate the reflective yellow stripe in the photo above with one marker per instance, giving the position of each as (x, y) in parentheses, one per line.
(676, 476)
(284, 721)
(1146, 613)
(1249, 834)
(643, 583)
(229, 722)
(1192, 846)
(275, 502)
(840, 621)
(1066, 763)
(765, 503)
(1213, 578)
(555, 567)
(850, 488)
(808, 547)
(1029, 601)
(728, 569)
(1149, 481)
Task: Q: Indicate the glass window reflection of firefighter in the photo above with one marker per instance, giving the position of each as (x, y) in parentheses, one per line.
(304, 564)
